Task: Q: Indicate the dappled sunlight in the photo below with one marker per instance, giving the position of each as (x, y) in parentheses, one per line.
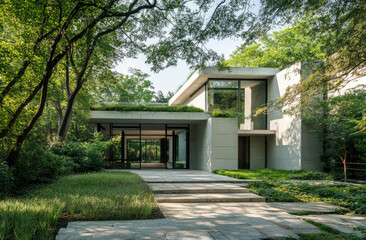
(96, 196)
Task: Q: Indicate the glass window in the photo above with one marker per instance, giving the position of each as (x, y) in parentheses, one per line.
(223, 95)
(242, 96)
(223, 84)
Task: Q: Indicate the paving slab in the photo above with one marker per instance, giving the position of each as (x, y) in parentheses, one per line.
(165, 229)
(184, 176)
(208, 197)
(342, 223)
(175, 188)
(294, 207)
(208, 217)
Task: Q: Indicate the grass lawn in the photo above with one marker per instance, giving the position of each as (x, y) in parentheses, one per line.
(268, 173)
(114, 195)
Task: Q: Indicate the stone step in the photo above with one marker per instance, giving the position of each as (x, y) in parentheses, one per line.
(181, 188)
(208, 197)
(197, 191)
(202, 181)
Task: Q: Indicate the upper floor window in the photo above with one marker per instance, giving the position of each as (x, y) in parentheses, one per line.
(241, 96)
(223, 95)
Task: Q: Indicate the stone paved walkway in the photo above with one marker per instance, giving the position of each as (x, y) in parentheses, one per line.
(212, 219)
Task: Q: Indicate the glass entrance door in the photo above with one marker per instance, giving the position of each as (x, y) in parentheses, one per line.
(149, 146)
(177, 147)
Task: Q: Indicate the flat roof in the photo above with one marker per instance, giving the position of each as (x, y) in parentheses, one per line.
(200, 77)
(101, 116)
(256, 132)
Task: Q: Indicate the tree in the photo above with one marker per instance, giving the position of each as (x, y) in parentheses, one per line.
(281, 49)
(161, 98)
(133, 88)
(343, 20)
(340, 117)
(39, 34)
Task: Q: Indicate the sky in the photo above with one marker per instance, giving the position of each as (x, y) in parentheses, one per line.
(170, 79)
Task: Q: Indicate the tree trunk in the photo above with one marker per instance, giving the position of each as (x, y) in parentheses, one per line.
(66, 120)
(14, 152)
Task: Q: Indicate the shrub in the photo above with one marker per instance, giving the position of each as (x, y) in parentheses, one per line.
(86, 156)
(223, 114)
(308, 175)
(179, 108)
(36, 164)
(6, 178)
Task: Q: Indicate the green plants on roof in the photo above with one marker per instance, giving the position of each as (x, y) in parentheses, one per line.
(126, 108)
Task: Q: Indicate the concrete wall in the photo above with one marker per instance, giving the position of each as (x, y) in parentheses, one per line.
(295, 145)
(214, 144)
(201, 147)
(284, 149)
(224, 143)
(198, 99)
(257, 152)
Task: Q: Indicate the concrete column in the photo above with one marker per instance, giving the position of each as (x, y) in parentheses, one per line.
(247, 109)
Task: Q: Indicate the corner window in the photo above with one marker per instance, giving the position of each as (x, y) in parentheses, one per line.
(241, 96)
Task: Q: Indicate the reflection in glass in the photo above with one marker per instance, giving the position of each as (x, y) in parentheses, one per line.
(241, 96)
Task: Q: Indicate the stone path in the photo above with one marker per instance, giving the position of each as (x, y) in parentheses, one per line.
(200, 205)
(342, 223)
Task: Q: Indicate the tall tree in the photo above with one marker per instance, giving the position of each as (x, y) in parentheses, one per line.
(280, 49)
(345, 57)
(39, 34)
(133, 88)
(161, 98)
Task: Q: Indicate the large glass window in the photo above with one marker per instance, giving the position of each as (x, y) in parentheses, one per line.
(242, 96)
(223, 95)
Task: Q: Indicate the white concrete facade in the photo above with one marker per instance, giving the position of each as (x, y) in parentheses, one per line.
(287, 142)
(281, 141)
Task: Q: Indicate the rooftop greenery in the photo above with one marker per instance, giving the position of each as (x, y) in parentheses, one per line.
(125, 108)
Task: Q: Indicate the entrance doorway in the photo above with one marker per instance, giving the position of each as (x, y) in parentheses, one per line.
(244, 153)
(139, 146)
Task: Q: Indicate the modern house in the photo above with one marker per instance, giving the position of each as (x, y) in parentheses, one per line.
(195, 140)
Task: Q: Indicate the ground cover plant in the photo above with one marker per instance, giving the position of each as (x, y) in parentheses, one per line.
(275, 188)
(349, 196)
(268, 173)
(111, 195)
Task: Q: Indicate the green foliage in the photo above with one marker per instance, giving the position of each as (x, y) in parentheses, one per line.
(83, 197)
(283, 48)
(224, 114)
(337, 122)
(268, 190)
(329, 236)
(268, 173)
(160, 98)
(116, 87)
(6, 178)
(348, 196)
(85, 156)
(143, 108)
(310, 175)
(38, 165)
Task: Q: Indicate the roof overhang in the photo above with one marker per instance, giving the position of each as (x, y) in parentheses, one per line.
(97, 116)
(243, 133)
(200, 77)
